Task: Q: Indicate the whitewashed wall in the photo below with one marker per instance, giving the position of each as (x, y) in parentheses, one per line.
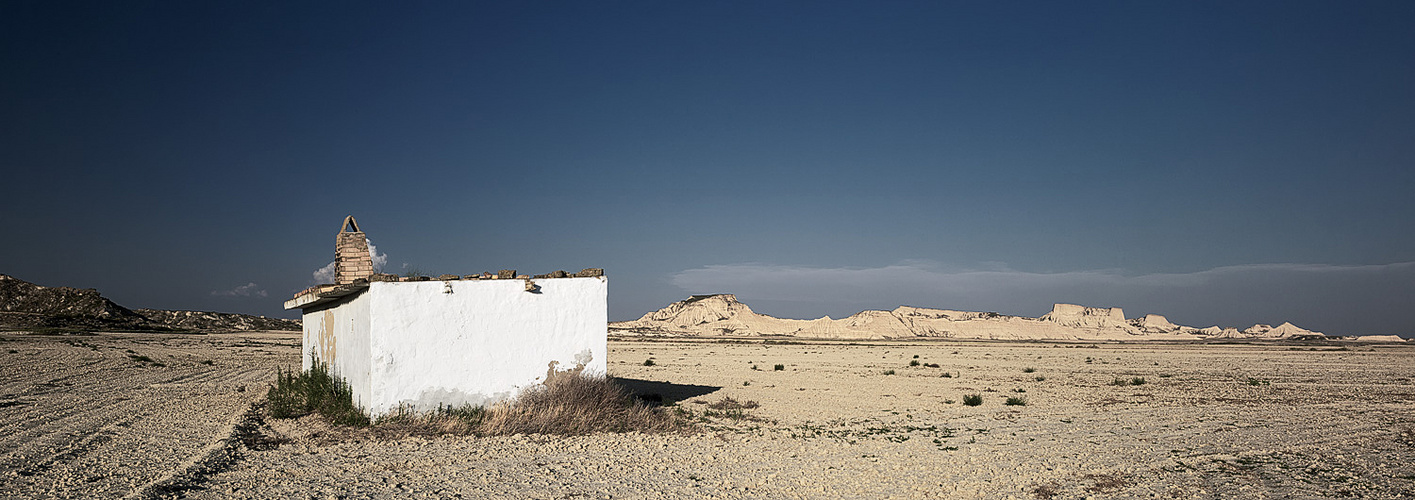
(421, 346)
(339, 336)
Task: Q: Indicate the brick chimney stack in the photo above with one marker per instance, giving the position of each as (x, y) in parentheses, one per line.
(351, 257)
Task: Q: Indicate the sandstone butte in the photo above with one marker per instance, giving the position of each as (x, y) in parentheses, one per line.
(722, 315)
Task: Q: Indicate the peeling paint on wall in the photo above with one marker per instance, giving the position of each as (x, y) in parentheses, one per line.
(327, 338)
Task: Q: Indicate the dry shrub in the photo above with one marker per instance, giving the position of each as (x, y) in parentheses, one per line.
(572, 404)
(1105, 482)
(728, 403)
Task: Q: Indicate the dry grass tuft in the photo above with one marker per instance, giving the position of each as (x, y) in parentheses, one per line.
(728, 403)
(573, 404)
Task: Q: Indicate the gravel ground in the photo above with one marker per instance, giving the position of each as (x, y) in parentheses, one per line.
(1209, 421)
(113, 415)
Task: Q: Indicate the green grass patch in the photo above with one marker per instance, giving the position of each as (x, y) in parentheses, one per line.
(296, 394)
(1016, 401)
(973, 399)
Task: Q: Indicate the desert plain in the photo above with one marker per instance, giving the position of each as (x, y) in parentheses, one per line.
(160, 415)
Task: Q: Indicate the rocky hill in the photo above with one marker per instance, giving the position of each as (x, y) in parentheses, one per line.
(25, 305)
(724, 315)
(217, 321)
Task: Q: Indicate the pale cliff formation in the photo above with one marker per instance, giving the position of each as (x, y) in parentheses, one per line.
(724, 315)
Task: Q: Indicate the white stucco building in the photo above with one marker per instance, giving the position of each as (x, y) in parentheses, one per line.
(450, 340)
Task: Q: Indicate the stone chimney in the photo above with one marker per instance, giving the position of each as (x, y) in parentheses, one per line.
(351, 257)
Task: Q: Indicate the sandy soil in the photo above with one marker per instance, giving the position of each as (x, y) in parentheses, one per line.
(91, 416)
(1210, 421)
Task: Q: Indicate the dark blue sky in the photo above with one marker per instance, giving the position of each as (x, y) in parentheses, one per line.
(1226, 162)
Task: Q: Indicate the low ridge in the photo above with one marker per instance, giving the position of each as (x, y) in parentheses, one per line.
(724, 315)
(25, 305)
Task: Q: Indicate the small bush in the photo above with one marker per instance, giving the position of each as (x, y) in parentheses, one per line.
(140, 358)
(755, 369)
(208, 362)
(296, 394)
(1253, 381)
(889, 372)
(1039, 378)
(973, 399)
(649, 362)
(916, 356)
(1016, 401)
(1028, 370)
(778, 368)
(930, 365)
(946, 375)
(913, 362)
(1137, 381)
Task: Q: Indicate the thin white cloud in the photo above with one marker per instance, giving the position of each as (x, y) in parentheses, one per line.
(324, 274)
(246, 290)
(1358, 296)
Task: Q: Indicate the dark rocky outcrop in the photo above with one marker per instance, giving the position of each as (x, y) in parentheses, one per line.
(25, 305)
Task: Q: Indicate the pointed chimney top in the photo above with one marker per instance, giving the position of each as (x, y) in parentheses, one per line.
(350, 225)
(351, 256)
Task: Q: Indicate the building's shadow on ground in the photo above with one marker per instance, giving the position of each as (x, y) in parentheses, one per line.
(663, 392)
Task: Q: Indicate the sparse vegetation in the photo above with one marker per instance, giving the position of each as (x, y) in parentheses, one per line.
(1016, 401)
(973, 399)
(1046, 491)
(1255, 382)
(649, 362)
(914, 362)
(296, 394)
(566, 404)
(779, 368)
(1029, 370)
(1132, 381)
(1039, 378)
(889, 372)
(930, 365)
(729, 403)
(208, 362)
(574, 404)
(946, 375)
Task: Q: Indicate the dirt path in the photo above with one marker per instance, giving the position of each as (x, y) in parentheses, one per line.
(1233, 421)
(108, 415)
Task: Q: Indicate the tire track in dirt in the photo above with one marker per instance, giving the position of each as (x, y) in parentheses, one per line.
(93, 421)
